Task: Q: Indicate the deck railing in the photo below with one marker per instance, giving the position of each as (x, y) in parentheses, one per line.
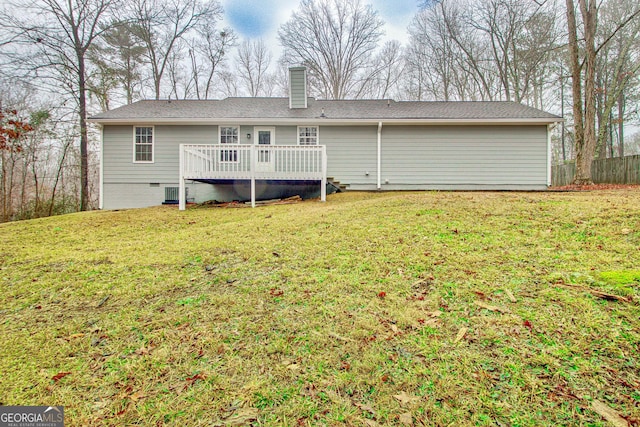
(252, 162)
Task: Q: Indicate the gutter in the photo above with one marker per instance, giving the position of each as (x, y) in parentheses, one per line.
(293, 121)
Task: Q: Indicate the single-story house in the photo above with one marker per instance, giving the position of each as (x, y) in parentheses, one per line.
(247, 148)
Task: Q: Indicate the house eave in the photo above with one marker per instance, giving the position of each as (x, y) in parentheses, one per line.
(329, 121)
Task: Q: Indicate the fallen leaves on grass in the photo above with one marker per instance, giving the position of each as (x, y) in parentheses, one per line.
(143, 351)
(594, 292)
(73, 336)
(339, 337)
(609, 414)
(309, 390)
(594, 187)
(192, 380)
(422, 288)
(510, 295)
(461, 333)
(365, 408)
(275, 292)
(490, 307)
(242, 416)
(137, 396)
(561, 391)
(340, 256)
(103, 301)
(406, 419)
(405, 398)
(57, 377)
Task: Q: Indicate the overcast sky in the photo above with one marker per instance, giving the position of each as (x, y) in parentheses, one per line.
(262, 18)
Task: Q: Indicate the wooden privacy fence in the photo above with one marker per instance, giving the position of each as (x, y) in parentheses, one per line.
(616, 170)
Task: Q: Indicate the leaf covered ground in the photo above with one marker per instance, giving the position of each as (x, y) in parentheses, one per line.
(431, 308)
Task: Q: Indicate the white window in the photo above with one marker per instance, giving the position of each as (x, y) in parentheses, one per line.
(229, 135)
(143, 144)
(307, 135)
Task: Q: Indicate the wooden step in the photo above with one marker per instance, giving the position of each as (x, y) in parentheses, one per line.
(339, 187)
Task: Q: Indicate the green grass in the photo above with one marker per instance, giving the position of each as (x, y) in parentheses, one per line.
(343, 313)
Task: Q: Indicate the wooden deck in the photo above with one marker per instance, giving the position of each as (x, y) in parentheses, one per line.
(252, 162)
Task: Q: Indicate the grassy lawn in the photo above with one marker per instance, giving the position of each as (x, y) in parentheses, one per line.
(430, 308)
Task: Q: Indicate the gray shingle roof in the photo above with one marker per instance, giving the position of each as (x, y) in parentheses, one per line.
(242, 109)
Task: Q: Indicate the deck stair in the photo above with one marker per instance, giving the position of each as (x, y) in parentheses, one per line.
(339, 188)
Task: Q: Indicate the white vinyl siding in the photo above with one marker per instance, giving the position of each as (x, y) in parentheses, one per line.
(127, 184)
(464, 156)
(117, 149)
(308, 135)
(351, 153)
(438, 157)
(143, 144)
(413, 157)
(297, 87)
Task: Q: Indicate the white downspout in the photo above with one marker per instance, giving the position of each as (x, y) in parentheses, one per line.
(182, 194)
(379, 184)
(549, 155)
(101, 189)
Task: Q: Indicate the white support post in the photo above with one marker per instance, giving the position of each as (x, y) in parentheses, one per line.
(323, 182)
(379, 183)
(253, 175)
(182, 196)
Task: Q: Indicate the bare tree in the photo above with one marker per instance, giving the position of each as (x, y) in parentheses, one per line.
(335, 39)
(616, 67)
(253, 60)
(385, 74)
(181, 80)
(161, 24)
(583, 60)
(33, 164)
(521, 35)
(230, 83)
(207, 51)
(431, 58)
(58, 35)
(493, 50)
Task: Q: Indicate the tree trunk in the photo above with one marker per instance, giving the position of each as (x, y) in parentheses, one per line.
(621, 101)
(588, 9)
(3, 185)
(576, 89)
(584, 119)
(84, 138)
(603, 119)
